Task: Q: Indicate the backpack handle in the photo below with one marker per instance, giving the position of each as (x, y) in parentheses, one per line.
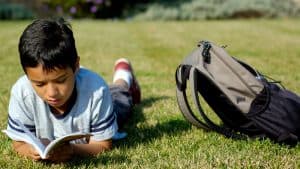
(205, 52)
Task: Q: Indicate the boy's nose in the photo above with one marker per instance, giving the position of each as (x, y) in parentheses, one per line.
(52, 90)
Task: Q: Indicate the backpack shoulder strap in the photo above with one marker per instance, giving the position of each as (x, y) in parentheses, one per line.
(194, 90)
(181, 76)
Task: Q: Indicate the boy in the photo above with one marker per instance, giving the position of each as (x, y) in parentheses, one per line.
(56, 96)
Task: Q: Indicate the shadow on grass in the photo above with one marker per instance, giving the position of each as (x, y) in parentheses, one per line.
(145, 135)
(95, 162)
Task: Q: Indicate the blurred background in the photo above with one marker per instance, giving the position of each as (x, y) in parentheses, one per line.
(149, 9)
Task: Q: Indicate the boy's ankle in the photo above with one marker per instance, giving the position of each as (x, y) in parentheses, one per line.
(123, 71)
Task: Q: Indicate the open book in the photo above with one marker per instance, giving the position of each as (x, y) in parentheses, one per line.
(43, 150)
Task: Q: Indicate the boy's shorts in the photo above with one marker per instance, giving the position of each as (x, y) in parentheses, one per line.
(122, 102)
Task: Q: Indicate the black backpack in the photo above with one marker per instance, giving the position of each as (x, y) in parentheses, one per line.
(247, 103)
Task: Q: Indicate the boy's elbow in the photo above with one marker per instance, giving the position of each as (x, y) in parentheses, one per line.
(106, 145)
(101, 146)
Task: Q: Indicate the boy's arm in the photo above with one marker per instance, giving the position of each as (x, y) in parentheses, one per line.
(92, 148)
(25, 149)
(67, 151)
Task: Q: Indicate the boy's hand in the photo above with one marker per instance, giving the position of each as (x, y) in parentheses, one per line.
(26, 150)
(62, 153)
(45, 141)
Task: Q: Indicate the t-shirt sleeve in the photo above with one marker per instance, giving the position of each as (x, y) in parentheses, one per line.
(104, 121)
(17, 110)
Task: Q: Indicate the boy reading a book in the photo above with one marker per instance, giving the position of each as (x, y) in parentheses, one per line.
(56, 96)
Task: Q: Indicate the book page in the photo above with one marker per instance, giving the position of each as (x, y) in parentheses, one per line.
(64, 139)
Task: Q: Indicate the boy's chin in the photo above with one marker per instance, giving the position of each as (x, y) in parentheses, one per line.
(57, 105)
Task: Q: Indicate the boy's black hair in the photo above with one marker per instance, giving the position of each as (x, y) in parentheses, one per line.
(48, 42)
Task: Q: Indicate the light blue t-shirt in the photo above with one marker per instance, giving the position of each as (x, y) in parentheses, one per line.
(92, 111)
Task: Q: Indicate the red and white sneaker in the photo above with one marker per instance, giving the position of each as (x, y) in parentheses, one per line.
(134, 88)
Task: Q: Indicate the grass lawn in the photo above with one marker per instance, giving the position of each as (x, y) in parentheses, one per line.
(159, 137)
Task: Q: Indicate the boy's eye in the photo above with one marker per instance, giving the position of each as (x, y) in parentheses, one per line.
(61, 80)
(39, 84)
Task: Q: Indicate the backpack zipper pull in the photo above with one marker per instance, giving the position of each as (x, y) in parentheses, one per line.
(205, 51)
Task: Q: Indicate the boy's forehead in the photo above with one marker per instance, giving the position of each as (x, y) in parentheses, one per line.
(39, 73)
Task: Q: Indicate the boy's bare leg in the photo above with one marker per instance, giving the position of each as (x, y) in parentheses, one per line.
(122, 83)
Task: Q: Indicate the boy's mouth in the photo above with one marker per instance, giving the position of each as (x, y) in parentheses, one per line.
(54, 102)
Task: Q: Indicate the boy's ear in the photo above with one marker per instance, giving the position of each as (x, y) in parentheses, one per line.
(77, 64)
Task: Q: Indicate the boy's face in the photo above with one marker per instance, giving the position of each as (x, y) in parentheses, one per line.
(55, 87)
